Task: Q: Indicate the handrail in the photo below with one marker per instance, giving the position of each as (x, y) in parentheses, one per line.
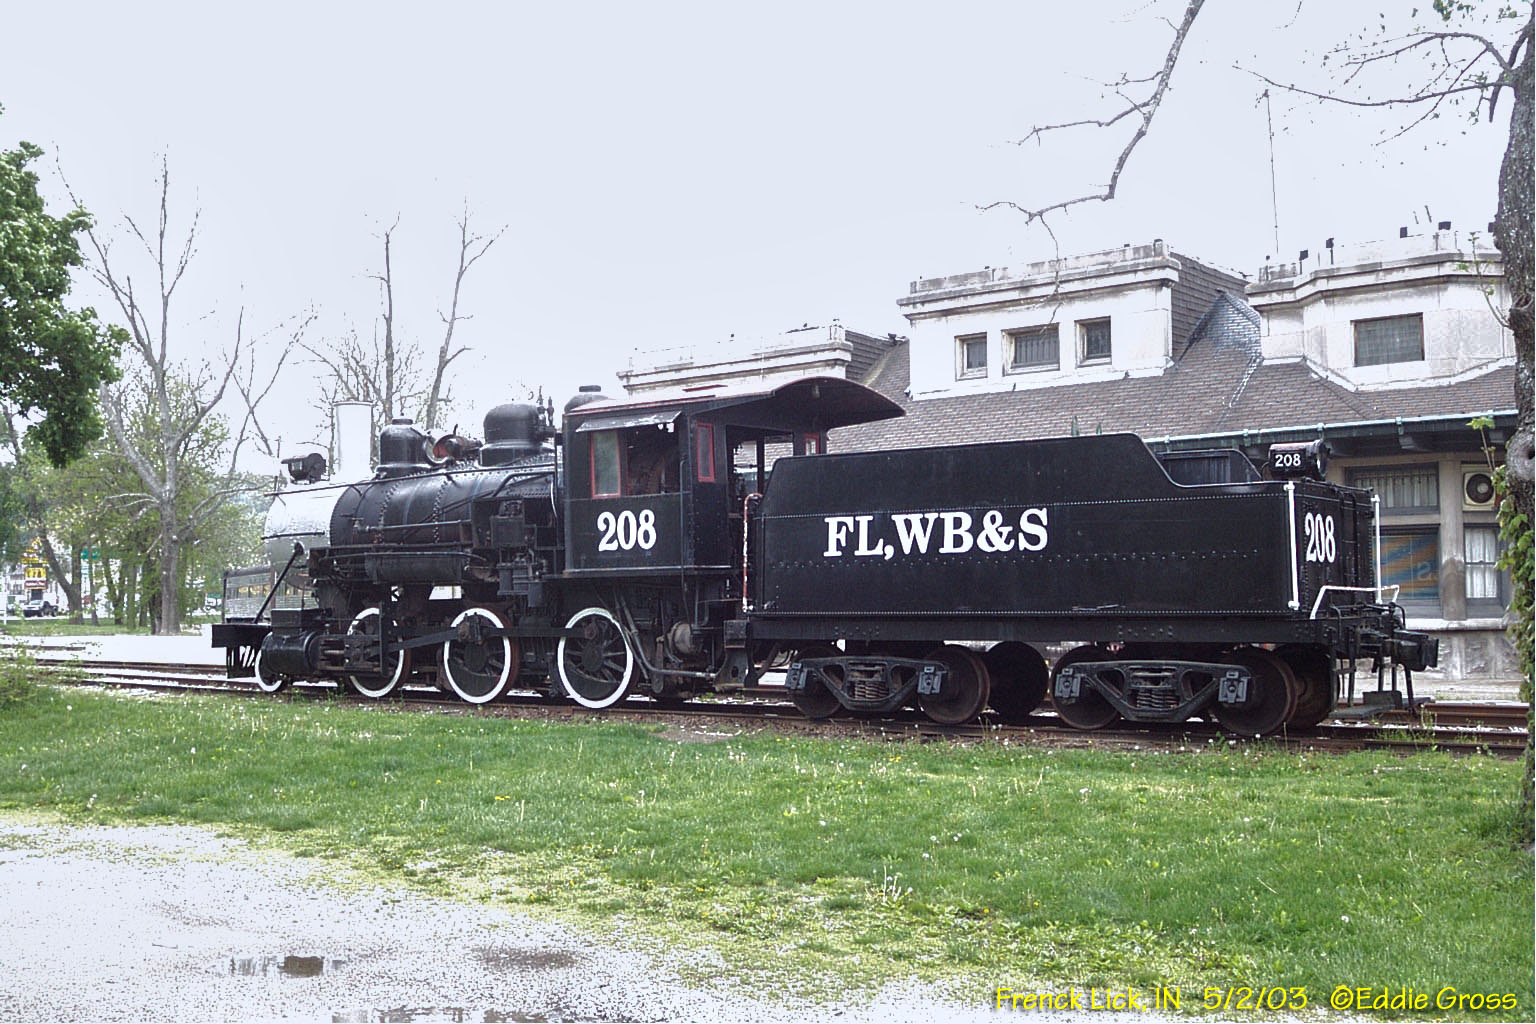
(1316, 605)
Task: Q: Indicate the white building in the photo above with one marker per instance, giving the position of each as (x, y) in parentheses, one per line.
(1385, 350)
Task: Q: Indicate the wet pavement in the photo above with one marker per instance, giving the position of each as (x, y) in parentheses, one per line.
(173, 923)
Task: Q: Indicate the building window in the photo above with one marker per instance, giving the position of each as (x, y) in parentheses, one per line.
(1403, 490)
(1411, 560)
(1389, 339)
(972, 355)
(1034, 348)
(1480, 545)
(1095, 339)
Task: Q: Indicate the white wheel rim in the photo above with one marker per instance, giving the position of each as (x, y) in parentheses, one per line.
(386, 687)
(506, 658)
(629, 663)
(263, 683)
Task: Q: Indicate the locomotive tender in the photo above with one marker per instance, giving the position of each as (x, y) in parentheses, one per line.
(649, 548)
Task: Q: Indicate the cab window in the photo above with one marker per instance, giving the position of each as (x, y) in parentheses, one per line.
(810, 444)
(607, 468)
(704, 452)
(651, 461)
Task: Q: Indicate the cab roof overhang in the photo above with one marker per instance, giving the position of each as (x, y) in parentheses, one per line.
(806, 404)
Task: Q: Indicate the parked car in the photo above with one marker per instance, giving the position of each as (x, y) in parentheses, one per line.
(37, 606)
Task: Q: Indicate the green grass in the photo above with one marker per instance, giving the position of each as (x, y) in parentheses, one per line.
(60, 625)
(792, 857)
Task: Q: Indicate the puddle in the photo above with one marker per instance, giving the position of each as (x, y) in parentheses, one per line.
(511, 959)
(288, 966)
(433, 1015)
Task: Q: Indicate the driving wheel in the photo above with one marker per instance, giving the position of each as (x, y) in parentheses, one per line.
(478, 669)
(597, 665)
(366, 623)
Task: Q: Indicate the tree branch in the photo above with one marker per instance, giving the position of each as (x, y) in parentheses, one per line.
(1147, 111)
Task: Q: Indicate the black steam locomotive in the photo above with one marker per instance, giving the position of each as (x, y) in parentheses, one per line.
(670, 546)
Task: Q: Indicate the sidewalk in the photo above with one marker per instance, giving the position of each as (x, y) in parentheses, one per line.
(192, 649)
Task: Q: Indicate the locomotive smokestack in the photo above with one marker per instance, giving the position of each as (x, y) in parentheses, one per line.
(351, 440)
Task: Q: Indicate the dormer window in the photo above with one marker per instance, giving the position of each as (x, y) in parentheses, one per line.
(1034, 348)
(971, 356)
(1093, 339)
(1389, 339)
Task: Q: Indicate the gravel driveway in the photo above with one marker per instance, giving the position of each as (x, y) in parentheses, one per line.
(173, 923)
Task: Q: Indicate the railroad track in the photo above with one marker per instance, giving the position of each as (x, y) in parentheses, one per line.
(1496, 728)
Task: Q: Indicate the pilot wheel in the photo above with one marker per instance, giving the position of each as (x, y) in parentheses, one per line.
(267, 682)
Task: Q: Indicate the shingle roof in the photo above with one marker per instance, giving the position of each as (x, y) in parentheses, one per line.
(1219, 384)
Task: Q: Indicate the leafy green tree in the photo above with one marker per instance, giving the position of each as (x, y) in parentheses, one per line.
(52, 358)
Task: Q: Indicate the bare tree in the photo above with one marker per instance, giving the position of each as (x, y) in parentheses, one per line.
(471, 248)
(388, 371)
(179, 399)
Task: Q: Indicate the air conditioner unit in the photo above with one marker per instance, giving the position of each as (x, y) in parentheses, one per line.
(1477, 493)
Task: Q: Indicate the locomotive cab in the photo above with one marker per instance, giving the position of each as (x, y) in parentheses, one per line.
(658, 497)
(657, 485)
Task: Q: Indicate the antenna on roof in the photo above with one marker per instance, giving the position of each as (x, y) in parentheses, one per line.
(1274, 200)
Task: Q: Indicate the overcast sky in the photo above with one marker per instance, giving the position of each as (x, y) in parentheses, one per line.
(671, 173)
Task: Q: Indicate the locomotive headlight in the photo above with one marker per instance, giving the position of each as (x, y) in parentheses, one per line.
(305, 469)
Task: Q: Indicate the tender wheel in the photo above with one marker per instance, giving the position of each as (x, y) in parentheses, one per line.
(366, 623)
(268, 682)
(479, 671)
(967, 685)
(816, 700)
(1314, 678)
(1019, 679)
(595, 668)
(1090, 710)
(1271, 698)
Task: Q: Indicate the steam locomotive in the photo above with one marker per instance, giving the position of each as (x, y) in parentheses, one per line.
(673, 545)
